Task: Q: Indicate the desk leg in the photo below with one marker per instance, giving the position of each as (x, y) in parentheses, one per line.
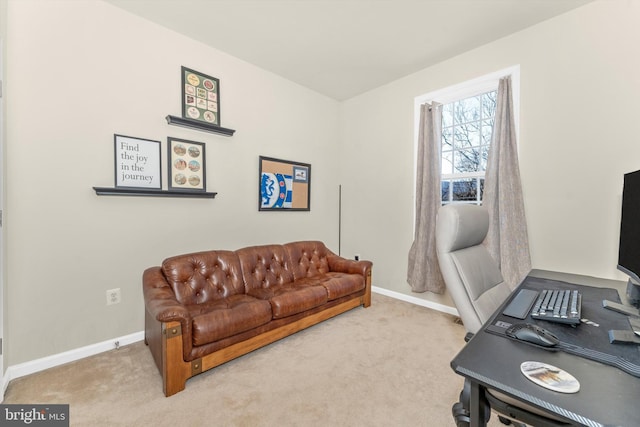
(477, 406)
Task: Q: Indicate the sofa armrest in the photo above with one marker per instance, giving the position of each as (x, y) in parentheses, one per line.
(159, 299)
(349, 266)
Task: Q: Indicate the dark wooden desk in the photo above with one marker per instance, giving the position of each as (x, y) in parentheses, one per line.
(607, 396)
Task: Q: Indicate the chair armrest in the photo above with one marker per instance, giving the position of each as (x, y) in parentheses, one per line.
(159, 299)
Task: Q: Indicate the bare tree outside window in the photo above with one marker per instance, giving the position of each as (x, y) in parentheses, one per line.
(466, 136)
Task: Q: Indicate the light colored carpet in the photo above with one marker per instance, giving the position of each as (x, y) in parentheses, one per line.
(386, 365)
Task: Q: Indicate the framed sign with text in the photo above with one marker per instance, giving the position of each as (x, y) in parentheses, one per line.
(186, 165)
(137, 163)
(200, 97)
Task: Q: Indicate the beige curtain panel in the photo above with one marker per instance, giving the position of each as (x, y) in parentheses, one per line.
(423, 270)
(507, 240)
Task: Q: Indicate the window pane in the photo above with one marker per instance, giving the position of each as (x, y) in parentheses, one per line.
(467, 160)
(481, 188)
(487, 128)
(467, 135)
(465, 190)
(489, 104)
(460, 140)
(446, 186)
(447, 115)
(467, 110)
(447, 139)
(484, 155)
(447, 162)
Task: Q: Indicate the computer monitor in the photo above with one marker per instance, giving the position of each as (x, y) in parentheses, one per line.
(629, 248)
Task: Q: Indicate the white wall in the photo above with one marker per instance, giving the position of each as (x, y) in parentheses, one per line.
(580, 90)
(80, 71)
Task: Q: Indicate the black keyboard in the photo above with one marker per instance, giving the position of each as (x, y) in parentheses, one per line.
(563, 306)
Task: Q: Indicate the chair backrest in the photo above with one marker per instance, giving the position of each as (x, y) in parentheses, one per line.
(471, 275)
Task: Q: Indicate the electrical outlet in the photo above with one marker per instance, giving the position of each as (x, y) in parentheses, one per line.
(356, 257)
(113, 296)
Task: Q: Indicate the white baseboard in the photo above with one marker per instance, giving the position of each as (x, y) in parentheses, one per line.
(33, 366)
(415, 300)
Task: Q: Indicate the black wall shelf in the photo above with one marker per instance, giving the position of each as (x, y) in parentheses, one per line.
(106, 191)
(194, 124)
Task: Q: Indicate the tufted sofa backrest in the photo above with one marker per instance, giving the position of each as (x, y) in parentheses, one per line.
(308, 258)
(204, 276)
(264, 266)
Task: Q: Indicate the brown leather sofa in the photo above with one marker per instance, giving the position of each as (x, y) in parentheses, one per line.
(204, 309)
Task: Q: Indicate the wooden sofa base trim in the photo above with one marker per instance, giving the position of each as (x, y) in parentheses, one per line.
(175, 371)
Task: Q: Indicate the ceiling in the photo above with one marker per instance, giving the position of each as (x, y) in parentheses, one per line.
(342, 48)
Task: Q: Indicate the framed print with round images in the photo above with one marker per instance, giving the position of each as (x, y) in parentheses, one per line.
(200, 97)
(187, 169)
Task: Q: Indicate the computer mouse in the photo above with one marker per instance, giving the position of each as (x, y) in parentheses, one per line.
(532, 333)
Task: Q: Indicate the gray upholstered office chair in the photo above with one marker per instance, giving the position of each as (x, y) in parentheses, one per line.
(474, 281)
(471, 275)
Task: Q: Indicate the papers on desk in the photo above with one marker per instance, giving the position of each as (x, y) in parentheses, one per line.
(548, 376)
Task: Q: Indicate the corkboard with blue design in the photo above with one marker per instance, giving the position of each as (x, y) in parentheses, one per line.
(284, 185)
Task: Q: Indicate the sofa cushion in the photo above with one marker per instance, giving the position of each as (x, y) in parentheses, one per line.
(227, 317)
(337, 284)
(203, 277)
(264, 266)
(308, 258)
(290, 299)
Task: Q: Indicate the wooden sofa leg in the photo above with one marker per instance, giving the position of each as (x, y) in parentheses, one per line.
(367, 292)
(175, 371)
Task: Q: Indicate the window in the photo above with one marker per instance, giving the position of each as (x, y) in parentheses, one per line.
(466, 135)
(468, 115)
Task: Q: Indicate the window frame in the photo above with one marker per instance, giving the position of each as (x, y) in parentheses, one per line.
(467, 89)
